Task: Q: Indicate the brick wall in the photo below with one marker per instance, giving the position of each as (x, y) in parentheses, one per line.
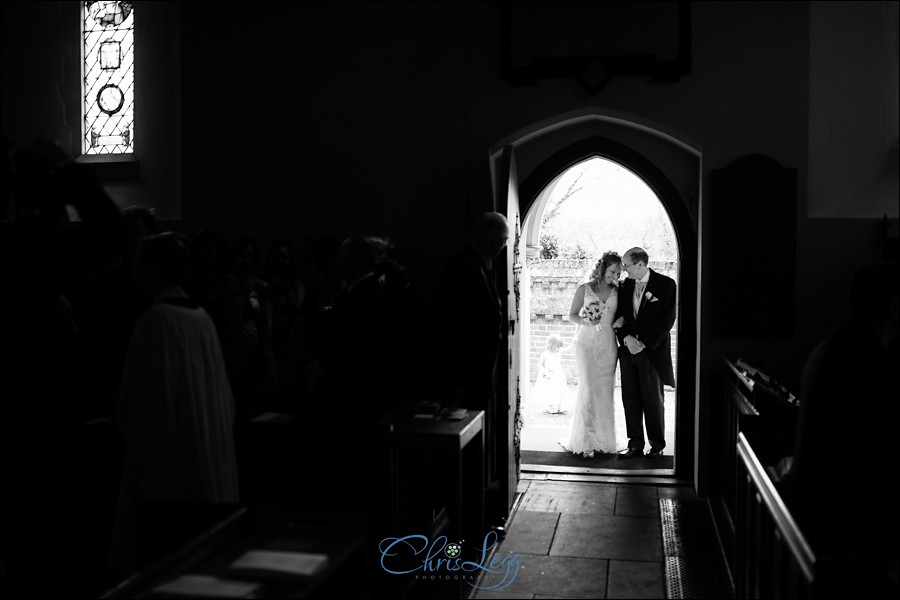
(553, 284)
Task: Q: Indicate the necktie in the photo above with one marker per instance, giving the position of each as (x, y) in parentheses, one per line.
(638, 293)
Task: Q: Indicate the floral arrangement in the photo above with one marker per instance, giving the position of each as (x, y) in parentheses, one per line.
(593, 311)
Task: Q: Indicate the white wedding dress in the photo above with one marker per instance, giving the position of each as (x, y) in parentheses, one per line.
(594, 419)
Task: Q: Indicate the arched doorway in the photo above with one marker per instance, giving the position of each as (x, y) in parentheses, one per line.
(594, 206)
(522, 166)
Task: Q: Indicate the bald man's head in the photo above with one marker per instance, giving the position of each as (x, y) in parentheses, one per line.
(490, 234)
(636, 263)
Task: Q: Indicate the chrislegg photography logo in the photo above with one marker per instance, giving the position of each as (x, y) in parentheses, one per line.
(448, 560)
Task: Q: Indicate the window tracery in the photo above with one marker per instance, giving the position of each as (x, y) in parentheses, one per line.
(108, 77)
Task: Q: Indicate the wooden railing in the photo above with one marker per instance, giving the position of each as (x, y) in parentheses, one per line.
(768, 556)
(727, 413)
(735, 407)
(773, 559)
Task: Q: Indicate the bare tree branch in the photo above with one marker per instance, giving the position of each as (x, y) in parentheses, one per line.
(552, 212)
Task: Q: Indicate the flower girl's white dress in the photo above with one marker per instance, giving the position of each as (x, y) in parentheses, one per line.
(594, 419)
(550, 388)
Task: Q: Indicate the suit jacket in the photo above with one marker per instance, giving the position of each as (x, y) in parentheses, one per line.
(653, 323)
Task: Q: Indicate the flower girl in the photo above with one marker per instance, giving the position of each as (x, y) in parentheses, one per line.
(550, 386)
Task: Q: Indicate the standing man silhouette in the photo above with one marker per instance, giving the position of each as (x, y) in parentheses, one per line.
(471, 316)
(849, 386)
(176, 411)
(647, 306)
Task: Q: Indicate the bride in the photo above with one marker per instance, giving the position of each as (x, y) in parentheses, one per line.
(593, 309)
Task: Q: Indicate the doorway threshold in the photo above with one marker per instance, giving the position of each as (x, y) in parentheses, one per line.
(656, 477)
(535, 468)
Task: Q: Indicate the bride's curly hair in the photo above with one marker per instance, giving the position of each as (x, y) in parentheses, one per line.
(603, 263)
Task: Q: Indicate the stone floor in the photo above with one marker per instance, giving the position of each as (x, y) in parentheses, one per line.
(583, 540)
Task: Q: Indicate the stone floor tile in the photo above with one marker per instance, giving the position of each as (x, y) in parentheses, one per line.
(559, 576)
(569, 498)
(637, 501)
(531, 532)
(610, 537)
(631, 579)
(501, 595)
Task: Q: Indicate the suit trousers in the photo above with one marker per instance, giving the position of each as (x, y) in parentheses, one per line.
(642, 398)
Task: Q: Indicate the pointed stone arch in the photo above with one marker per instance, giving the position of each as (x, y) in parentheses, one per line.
(671, 165)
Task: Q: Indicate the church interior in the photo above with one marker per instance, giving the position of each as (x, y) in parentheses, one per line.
(768, 130)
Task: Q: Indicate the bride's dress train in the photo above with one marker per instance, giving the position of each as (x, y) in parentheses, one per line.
(594, 419)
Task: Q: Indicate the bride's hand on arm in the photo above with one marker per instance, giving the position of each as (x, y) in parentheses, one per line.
(634, 346)
(619, 322)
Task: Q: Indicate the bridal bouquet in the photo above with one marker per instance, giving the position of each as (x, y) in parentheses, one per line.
(594, 311)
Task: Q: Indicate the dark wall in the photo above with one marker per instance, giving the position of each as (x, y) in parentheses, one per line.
(302, 118)
(313, 117)
(378, 116)
(41, 73)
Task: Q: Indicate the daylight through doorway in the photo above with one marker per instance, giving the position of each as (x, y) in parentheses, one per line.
(594, 206)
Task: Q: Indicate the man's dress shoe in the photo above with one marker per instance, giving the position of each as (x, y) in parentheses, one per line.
(631, 453)
(655, 453)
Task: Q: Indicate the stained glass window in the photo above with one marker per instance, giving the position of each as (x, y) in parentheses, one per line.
(108, 92)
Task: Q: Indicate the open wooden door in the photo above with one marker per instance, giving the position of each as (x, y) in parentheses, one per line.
(509, 423)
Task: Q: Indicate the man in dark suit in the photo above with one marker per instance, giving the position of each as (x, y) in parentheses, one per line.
(647, 307)
(471, 317)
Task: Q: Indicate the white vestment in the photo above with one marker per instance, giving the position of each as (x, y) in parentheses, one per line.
(176, 412)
